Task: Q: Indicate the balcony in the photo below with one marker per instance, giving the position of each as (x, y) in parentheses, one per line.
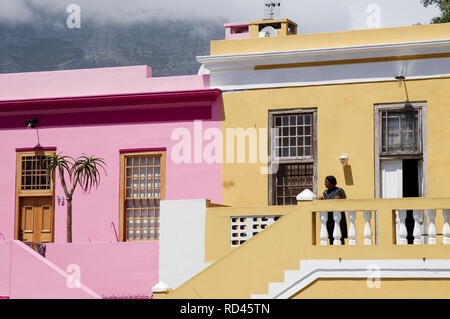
(377, 234)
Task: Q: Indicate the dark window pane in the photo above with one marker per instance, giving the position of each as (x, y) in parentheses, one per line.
(277, 121)
(308, 119)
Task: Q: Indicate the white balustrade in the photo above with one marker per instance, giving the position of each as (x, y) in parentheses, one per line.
(432, 227)
(352, 228)
(424, 232)
(337, 234)
(402, 231)
(417, 232)
(367, 228)
(323, 228)
(446, 228)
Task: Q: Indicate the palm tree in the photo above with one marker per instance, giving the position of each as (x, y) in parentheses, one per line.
(83, 171)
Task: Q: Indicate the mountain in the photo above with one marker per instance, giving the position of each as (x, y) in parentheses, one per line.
(168, 47)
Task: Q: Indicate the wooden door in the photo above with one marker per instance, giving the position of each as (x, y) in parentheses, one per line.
(36, 219)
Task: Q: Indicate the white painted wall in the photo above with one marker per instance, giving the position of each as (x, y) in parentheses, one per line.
(181, 241)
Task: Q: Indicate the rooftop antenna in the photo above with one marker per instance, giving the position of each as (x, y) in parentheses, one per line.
(271, 9)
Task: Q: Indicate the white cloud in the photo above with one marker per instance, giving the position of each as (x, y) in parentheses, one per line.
(14, 11)
(312, 16)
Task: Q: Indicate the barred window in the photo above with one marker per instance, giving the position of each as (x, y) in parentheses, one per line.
(144, 180)
(292, 145)
(34, 173)
(292, 179)
(400, 132)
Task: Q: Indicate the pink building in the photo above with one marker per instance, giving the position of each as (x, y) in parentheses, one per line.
(126, 117)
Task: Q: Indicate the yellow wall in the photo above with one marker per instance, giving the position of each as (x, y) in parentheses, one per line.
(335, 39)
(389, 289)
(345, 124)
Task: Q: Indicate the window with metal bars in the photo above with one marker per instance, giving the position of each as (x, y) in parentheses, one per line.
(144, 179)
(34, 174)
(292, 145)
(400, 132)
(291, 180)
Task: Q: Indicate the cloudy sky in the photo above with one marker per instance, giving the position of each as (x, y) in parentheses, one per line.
(311, 15)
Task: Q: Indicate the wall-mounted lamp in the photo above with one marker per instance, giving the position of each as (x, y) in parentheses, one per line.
(401, 76)
(31, 123)
(343, 159)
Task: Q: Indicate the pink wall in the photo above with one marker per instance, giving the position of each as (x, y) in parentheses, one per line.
(90, 82)
(230, 35)
(94, 213)
(34, 277)
(103, 134)
(5, 263)
(111, 268)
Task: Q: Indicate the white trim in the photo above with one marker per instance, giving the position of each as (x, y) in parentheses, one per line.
(237, 71)
(221, 62)
(319, 83)
(311, 270)
(161, 287)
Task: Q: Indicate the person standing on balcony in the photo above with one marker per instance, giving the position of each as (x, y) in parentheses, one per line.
(334, 192)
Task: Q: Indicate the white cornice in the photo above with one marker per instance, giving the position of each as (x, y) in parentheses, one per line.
(248, 60)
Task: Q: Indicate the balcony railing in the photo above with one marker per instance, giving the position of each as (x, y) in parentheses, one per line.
(417, 227)
(414, 221)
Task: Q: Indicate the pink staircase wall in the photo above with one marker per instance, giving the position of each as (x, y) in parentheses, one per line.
(111, 268)
(30, 276)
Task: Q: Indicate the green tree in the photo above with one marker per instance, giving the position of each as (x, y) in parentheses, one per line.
(83, 171)
(443, 5)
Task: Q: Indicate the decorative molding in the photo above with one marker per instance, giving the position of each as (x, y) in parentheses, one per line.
(135, 150)
(175, 98)
(340, 65)
(36, 148)
(222, 62)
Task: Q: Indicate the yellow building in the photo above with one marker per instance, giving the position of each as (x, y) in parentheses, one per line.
(369, 107)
